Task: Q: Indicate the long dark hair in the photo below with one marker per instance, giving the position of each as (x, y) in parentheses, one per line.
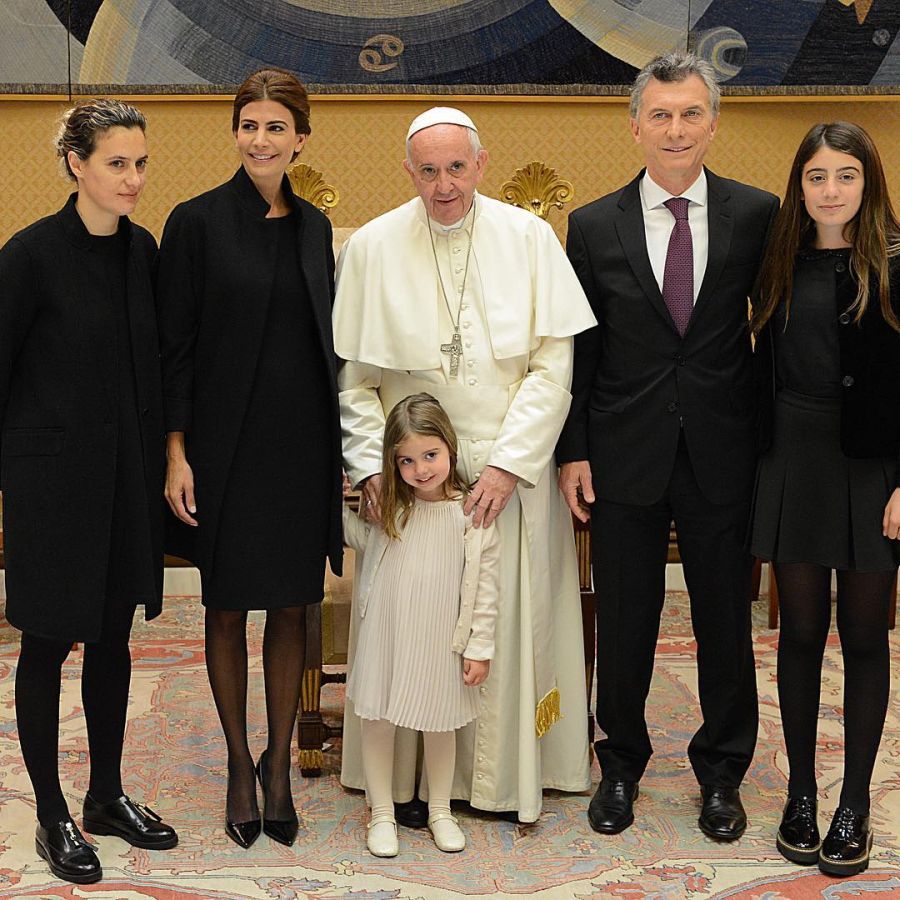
(874, 232)
(280, 86)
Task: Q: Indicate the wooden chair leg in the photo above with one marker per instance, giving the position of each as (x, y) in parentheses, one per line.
(311, 730)
(773, 598)
(755, 578)
(589, 635)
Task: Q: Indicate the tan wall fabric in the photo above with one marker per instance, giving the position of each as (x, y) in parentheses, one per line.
(358, 144)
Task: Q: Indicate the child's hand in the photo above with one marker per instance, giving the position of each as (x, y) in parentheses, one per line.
(347, 486)
(475, 670)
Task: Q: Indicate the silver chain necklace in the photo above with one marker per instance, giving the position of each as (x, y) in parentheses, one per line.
(454, 348)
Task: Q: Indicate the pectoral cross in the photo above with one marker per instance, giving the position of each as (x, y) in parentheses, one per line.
(454, 348)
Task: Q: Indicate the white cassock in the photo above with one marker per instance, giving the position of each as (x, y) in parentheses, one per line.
(518, 310)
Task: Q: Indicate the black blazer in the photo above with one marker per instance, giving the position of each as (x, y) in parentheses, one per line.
(214, 281)
(870, 372)
(636, 382)
(57, 417)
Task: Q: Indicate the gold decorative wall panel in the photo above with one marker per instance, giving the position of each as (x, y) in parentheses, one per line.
(358, 143)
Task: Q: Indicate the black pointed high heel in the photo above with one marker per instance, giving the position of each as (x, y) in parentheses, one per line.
(244, 833)
(282, 830)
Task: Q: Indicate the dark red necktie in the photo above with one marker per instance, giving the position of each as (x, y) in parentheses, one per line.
(678, 278)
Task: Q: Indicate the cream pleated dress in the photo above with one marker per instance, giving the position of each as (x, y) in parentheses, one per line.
(405, 670)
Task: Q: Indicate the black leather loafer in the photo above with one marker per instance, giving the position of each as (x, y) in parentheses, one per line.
(722, 817)
(282, 830)
(798, 835)
(413, 814)
(68, 854)
(123, 818)
(845, 850)
(612, 807)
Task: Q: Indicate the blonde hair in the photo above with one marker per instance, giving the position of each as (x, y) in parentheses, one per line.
(418, 414)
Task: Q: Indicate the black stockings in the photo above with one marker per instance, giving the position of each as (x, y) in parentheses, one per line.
(862, 619)
(284, 646)
(105, 679)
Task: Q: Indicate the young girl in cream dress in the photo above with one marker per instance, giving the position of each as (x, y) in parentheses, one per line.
(426, 600)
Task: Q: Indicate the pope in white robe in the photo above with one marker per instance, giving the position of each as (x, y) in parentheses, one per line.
(475, 302)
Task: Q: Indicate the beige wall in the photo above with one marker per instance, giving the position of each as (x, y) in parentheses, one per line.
(358, 144)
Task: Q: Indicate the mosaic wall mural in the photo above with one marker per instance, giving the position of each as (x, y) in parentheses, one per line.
(490, 46)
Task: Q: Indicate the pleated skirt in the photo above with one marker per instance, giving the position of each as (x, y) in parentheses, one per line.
(405, 670)
(812, 504)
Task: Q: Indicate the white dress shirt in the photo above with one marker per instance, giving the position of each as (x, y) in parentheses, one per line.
(659, 222)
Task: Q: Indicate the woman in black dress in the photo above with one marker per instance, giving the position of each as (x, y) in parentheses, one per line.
(81, 469)
(828, 487)
(245, 286)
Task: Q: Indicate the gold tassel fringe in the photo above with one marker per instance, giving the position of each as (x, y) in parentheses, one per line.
(547, 713)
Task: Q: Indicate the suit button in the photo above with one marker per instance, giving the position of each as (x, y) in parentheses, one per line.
(672, 407)
(145, 411)
(844, 318)
(840, 267)
(679, 359)
(847, 381)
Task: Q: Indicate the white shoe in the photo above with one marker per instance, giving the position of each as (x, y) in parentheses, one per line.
(446, 832)
(381, 837)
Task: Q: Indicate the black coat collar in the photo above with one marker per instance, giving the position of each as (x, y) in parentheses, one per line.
(250, 197)
(74, 229)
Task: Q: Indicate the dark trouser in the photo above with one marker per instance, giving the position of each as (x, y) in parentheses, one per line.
(105, 679)
(630, 545)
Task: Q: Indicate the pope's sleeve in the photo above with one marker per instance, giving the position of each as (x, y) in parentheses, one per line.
(535, 417)
(484, 612)
(362, 420)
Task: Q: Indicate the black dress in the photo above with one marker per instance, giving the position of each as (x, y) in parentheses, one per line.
(812, 503)
(259, 562)
(130, 570)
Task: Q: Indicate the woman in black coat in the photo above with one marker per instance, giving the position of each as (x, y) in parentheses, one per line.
(828, 486)
(244, 291)
(81, 469)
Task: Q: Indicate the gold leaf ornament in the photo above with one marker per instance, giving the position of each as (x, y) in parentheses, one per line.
(537, 188)
(310, 184)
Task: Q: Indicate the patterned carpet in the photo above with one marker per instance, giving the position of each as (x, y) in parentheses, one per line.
(175, 762)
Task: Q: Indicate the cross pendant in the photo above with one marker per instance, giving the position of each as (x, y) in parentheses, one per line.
(454, 348)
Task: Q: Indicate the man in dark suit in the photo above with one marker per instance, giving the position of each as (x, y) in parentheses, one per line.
(662, 428)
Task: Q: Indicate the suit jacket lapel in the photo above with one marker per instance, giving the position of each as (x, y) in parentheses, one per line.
(720, 224)
(633, 240)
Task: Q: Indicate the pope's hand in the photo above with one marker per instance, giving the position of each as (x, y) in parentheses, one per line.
(577, 487)
(370, 503)
(490, 495)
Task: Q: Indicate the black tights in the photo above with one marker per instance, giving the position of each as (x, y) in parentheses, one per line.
(862, 621)
(284, 651)
(105, 678)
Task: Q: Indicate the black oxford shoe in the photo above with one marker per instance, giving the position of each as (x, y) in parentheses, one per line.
(68, 854)
(722, 816)
(413, 814)
(798, 835)
(845, 850)
(612, 807)
(122, 818)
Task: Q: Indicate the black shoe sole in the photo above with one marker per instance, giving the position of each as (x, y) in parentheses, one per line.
(802, 856)
(618, 828)
(110, 831)
(727, 836)
(844, 869)
(75, 879)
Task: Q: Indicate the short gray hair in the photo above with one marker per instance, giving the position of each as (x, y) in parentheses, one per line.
(675, 67)
(81, 125)
(474, 140)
